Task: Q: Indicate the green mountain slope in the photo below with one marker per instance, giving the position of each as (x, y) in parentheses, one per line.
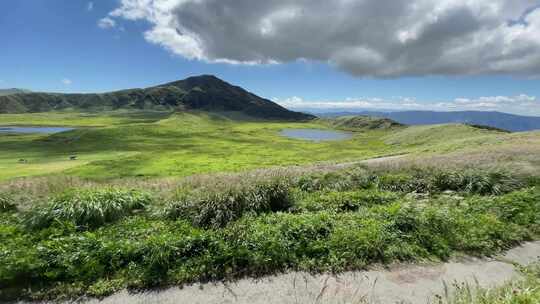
(362, 123)
(5, 92)
(205, 92)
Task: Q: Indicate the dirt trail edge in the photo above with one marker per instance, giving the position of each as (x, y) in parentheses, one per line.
(398, 284)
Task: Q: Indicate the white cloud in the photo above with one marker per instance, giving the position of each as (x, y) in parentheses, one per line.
(106, 23)
(296, 102)
(520, 104)
(374, 38)
(67, 81)
(90, 6)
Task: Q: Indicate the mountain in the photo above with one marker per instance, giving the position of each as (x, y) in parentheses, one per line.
(362, 123)
(505, 121)
(206, 92)
(5, 92)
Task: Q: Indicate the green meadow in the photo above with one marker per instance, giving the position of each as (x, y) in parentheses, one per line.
(158, 199)
(159, 144)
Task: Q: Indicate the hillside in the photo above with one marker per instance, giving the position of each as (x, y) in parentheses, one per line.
(362, 123)
(206, 92)
(5, 92)
(510, 122)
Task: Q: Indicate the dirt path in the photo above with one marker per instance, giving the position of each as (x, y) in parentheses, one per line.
(400, 284)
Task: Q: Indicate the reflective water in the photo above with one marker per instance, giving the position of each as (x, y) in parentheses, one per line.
(43, 130)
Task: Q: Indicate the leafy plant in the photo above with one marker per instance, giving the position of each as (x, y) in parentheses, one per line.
(217, 209)
(5, 204)
(342, 201)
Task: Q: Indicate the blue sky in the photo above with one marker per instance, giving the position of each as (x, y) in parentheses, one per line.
(58, 45)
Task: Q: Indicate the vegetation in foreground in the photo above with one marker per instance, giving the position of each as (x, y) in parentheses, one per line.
(523, 291)
(73, 244)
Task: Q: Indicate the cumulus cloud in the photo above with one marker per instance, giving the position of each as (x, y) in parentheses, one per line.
(378, 38)
(66, 81)
(520, 104)
(106, 23)
(350, 103)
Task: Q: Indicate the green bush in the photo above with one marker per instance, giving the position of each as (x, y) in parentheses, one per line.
(344, 201)
(5, 204)
(218, 208)
(468, 181)
(88, 208)
(351, 179)
(476, 181)
(402, 182)
(248, 231)
(19, 260)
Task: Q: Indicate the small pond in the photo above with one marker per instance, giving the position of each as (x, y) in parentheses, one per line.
(27, 130)
(315, 134)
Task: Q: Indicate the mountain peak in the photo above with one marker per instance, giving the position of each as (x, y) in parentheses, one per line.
(203, 92)
(197, 81)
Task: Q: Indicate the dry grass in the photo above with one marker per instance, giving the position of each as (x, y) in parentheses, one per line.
(28, 191)
(519, 154)
(520, 159)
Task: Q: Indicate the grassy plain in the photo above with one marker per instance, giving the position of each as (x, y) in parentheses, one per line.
(159, 144)
(104, 222)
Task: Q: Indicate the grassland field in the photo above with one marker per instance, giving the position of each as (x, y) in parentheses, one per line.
(102, 223)
(158, 144)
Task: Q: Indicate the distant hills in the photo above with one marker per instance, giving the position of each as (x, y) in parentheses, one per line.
(206, 93)
(360, 122)
(510, 122)
(5, 92)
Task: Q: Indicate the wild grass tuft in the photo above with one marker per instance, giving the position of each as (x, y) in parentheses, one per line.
(342, 201)
(520, 291)
(470, 181)
(5, 204)
(88, 208)
(218, 208)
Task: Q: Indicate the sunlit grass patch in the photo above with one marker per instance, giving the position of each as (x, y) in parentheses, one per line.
(87, 208)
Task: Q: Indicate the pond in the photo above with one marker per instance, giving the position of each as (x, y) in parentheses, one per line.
(315, 134)
(28, 130)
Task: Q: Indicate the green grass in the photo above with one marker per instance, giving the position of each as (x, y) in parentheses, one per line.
(521, 291)
(86, 209)
(219, 208)
(99, 243)
(158, 144)
(98, 239)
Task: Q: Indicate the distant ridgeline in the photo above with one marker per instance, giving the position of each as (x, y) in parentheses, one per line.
(4, 92)
(497, 120)
(207, 93)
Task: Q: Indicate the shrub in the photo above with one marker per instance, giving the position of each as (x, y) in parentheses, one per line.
(345, 201)
(476, 182)
(470, 181)
(404, 182)
(356, 178)
(218, 208)
(5, 204)
(88, 208)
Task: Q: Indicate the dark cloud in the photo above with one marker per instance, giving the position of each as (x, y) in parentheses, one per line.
(378, 38)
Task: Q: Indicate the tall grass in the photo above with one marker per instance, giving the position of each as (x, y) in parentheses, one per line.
(88, 208)
(419, 180)
(218, 208)
(5, 203)
(339, 221)
(520, 291)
